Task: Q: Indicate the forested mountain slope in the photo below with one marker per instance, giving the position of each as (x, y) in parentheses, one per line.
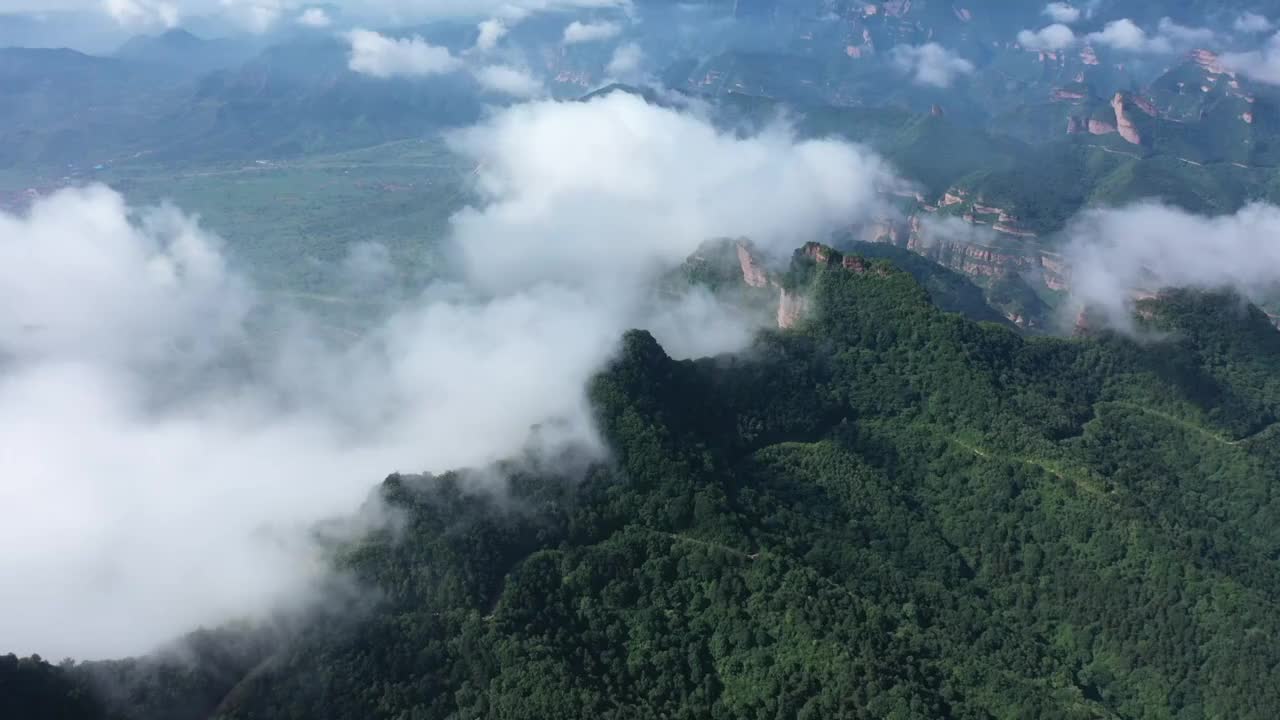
(887, 511)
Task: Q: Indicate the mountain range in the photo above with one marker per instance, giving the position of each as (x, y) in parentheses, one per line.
(936, 482)
(883, 510)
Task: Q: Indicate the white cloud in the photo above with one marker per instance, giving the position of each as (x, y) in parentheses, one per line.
(509, 81)
(1063, 13)
(1124, 34)
(1249, 22)
(260, 15)
(1262, 65)
(644, 184)
(930, 64)
(381, 56)
(315, 17)
(256, 16)
(1151, 246)
(163, 462)
(1170, 37)
(1183, 37)
(580, 32)
(142, 13)
(626, 62)
(490, 32)
(1051, 37)
(420, 10)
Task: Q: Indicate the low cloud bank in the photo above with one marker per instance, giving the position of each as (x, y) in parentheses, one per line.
(164, 456)
(1151, 246)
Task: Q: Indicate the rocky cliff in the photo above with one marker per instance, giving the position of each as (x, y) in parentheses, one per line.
(792, 307)
(1124, 121)
(1007, 262)
(753, 274)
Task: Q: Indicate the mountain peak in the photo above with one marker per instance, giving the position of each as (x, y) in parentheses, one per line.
(167, 41)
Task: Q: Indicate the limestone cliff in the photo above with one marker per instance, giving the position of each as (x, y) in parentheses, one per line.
(792, 306)
(1124, 123)
(1100, 127)
(1014, 254)
(752, 273)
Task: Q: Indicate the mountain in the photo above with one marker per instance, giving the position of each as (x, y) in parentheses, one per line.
(301, 97)
(181, 51)
(61, 107)
(885, 511)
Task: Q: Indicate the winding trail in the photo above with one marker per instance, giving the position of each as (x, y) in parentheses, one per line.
(1187, 425)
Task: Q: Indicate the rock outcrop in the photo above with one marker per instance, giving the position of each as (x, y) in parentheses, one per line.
(752, 273)
(1100, 127)
(1124, 123)
(974, 259)
(791, 308)
(1208, 60)
(793, 304)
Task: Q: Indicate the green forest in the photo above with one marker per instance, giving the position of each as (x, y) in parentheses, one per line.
(889, 511)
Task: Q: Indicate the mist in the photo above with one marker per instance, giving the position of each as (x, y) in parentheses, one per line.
(171, 435)
(1114, 253)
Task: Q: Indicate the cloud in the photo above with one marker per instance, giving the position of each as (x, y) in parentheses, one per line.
(142, 13)
(1051, 37)
(165, 456)
(930, 64)
(1170, 37)
(419, 11)
(626, 62)
(1262, 65)
(490, 32)
(1062, 13)
(315, 18)
(1183, 37)
(645, 185)
(509, 81)
(1152, 246)
(579, 32)
(259, 16)
(1249, 22)
(382, 57)
(255, 16)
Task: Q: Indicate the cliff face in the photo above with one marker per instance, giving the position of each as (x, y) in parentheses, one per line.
(1124, 123)
(976, 260)
(791, 308)
(1100, 127)
(752, 273)
(793, 304)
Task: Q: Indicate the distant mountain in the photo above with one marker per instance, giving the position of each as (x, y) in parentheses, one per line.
(62, 106)
(181, 51)
(301, 97)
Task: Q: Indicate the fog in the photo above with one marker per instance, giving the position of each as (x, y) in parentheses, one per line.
(1146, 247)
(170, 436)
